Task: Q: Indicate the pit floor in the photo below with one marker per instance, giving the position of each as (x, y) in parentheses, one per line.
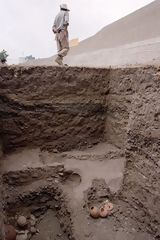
(102, 162)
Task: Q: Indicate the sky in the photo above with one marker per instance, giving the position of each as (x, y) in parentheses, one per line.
(26, 25)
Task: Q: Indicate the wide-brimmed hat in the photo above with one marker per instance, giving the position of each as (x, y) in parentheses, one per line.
(64, 6)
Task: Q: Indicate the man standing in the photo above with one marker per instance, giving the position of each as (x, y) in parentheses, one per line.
(60, 28)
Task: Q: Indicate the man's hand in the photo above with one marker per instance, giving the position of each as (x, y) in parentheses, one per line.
(66, 26)
(54, 30)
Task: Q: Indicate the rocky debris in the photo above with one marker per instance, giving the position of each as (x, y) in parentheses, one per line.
(61, 169)
(22, 236)
(32, 220)
(98, 192)
(13, 234)
(50, 179)
(32, 217)
(55, 151)
(37, 203)
(33, 230)
(56, 181)
(61, 174)
(32, 223)
(38, 211)
(63, 155)
(22, 221)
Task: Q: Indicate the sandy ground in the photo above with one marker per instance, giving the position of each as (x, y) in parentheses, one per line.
(89, 164)
(130, 55)
(135, 54)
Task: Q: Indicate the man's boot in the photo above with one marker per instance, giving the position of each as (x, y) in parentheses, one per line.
(59, 60)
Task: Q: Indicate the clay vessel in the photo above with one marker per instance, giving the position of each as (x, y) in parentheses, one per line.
(10, 232)
(94, 212)
(103, 212)
(109, 206)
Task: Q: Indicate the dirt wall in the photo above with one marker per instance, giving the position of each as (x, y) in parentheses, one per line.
(141, 184)
(118, 101)
(60, 108)
(1, 199)
(1, 212)
(64, 108)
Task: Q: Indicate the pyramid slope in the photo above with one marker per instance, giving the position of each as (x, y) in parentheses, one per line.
(138, 26)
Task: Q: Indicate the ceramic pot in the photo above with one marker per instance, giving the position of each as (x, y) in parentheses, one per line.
(10, 232)
(103, 212)
(94, 212)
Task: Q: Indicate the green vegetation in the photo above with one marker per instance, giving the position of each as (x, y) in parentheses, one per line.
(3, 56)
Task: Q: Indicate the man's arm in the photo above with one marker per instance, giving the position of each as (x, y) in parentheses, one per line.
(54, 27)
(66, 19)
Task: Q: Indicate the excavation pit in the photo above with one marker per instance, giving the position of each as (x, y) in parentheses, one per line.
(71, 139)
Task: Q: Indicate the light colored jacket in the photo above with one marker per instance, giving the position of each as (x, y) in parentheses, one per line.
(61, 21)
